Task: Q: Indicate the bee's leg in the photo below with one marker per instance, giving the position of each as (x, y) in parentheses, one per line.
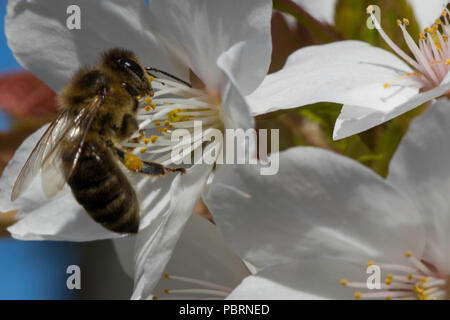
(133, 163)
(157, 169)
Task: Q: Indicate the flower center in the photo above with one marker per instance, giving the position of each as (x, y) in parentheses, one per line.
(175, 106)
(200, 289)
(431, 53)
(418, 280)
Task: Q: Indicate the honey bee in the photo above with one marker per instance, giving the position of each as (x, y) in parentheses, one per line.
(81, 147)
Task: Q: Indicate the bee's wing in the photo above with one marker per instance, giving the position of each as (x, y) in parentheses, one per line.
(46, 155)
(34, 161)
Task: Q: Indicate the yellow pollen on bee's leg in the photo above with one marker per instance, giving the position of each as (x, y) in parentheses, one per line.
(132, 162)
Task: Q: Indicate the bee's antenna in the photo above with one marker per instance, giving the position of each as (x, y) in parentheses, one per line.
(151, 69)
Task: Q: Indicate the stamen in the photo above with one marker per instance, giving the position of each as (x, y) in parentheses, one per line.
(411, 74)
(419, 282)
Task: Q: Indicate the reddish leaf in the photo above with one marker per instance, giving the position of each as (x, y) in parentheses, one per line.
(23, 95)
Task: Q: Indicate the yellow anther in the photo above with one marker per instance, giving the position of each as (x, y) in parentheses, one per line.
(166, 291)
(410, 276)
(165, 130)
(166, 275)
(388, 281)
(357, 295)
(386, 85)
(447, 62)
(444, 13)
(424, 279)
(147, 108)
(151, 78)
(166, 123)
(405, 21)
(157, 123)
(426, 30)
(148, 100)
(153, 139)
(146, 140)
(143, 150)
(160, 130)
(153, 106)
(388, 298)
(370, 263)
(154, 298)
(344, 282)
(437, 21)
(408, 254)
(422, 36)
(132, 162)
(370, 9)
(173, 115)
(445, 37)
(390, 276)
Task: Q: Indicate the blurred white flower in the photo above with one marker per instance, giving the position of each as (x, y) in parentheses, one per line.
(373, 85)
(333, 217)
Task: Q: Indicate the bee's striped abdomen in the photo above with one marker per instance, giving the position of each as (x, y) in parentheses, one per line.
(103, 190)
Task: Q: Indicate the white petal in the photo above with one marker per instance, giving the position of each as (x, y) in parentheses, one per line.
(355, 119)
(311, 278)
(201, 254)
(235, 110)
(318, 201)
(347, 72)
(427, 12)
(155, 243)
(42, 43)
(200, 31)
(322, 10)
(421, 169)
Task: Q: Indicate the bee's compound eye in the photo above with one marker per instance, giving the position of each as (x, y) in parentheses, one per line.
(130, 65)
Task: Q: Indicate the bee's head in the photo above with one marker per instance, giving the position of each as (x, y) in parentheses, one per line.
(124, 65)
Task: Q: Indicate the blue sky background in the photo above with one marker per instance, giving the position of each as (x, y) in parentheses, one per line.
(31, 269)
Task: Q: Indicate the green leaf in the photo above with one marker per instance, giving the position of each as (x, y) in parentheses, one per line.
(351, 18)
